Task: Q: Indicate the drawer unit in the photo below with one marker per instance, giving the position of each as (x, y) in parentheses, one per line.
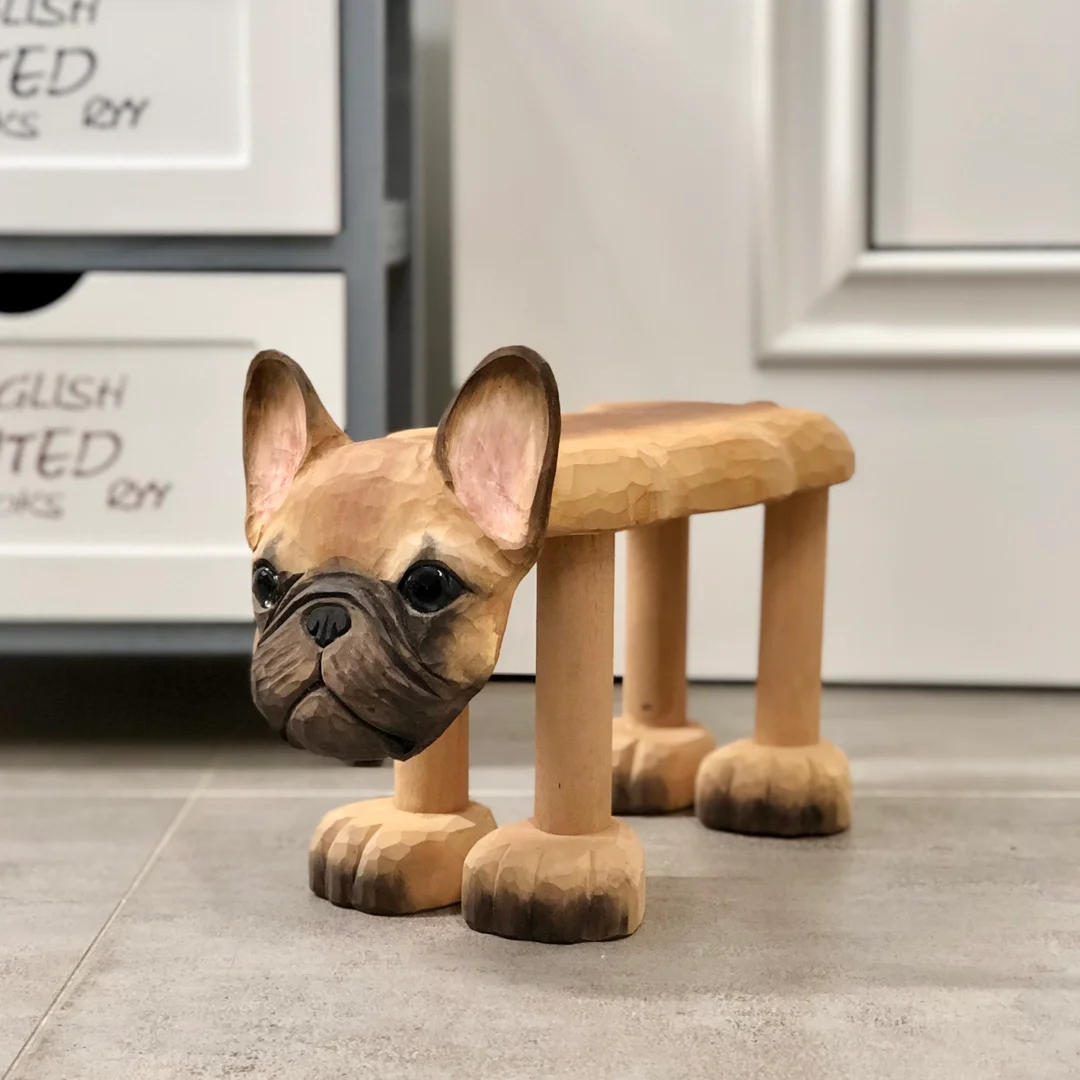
(170, 116)
(214, 177)
(121, 483)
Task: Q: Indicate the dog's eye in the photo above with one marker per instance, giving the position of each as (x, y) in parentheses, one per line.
(430, 586)
(265, 585)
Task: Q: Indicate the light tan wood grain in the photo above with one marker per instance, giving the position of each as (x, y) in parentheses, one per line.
(523, 882)
(436, 781)
(655, 750)
(632, 464)
(657, 565)
(377, 858)
(575, 605)
(788, 706)
(571, 873)
(786, 780)
(474, 494)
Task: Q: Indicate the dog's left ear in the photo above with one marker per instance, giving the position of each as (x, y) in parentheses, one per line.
(498, 443)
(285, 426)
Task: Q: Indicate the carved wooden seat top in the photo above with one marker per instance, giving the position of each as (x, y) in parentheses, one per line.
(635, 463)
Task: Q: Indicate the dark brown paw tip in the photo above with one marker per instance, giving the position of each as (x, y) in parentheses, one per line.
(338, 881)
(759, 817)
(644, 795)
(317, 861)
(317, 873)
(381, 894)
(581, 918)
(375, 893)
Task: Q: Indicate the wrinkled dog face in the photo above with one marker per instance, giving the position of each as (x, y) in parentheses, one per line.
(345, 666)
(383, 571)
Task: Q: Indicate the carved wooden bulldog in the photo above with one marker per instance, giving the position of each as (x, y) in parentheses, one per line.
(382, 581)
(384, 570)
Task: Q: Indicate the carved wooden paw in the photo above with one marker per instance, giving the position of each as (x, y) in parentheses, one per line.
(376, 858)
(523, 883)
(653, 768)
(746, 787)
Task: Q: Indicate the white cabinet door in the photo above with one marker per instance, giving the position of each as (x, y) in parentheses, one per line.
(169, 116)
(612, 165)
(121, 479)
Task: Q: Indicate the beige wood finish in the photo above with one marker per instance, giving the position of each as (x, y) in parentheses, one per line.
(522, 882)
(402, 855)
(784, 781)
(575, 600)
(788, 705)
(376, 858)
(657, 565)
(627, 465)
(655, 749)
(571, 873)
(630, 464)
(436, 781)
(646, 468)
(749, 787)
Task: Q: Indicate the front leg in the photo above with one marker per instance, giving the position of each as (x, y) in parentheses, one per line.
(572, 873)
(400, 855)
(785, 781)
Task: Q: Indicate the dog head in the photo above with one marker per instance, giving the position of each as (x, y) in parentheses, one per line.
(384, 570)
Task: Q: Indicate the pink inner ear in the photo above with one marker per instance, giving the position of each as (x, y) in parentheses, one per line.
(279, 443)
(496, 453)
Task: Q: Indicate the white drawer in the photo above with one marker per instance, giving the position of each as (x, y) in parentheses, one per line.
(121, 478)
(171, 116)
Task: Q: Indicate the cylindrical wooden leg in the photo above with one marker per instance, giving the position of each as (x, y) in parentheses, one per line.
(575, 605)
(788, 709)
(404, 854)
(785, 781)
(571, 873)
(655, 751)
(657, 565)
(437, 780)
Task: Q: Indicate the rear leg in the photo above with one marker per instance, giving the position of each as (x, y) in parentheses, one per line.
(785, 781)
(656, 751)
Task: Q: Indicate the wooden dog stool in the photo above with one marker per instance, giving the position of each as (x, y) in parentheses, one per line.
(573, 872)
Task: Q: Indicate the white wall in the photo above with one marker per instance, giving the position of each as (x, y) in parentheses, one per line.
(602, 214)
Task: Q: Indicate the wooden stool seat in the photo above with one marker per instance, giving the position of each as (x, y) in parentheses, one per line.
(630, 464)
(625, 465)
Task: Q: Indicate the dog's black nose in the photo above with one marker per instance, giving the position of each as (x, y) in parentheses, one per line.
(326, 623)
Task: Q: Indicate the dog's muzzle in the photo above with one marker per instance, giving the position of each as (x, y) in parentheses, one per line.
(341, 666)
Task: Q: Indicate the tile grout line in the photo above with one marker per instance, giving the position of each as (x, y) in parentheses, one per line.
(1020, 794)
(81, 964)
(356, 794)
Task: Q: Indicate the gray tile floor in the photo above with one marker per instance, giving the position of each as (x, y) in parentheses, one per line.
(155, 920)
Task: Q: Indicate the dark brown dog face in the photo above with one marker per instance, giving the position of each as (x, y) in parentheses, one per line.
(384, 570)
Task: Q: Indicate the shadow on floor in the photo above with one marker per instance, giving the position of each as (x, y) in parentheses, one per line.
(116, 698)
(169, 699)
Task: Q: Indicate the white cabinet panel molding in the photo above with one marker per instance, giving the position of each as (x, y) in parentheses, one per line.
(824, 296)
(172, 116)
(121, 483)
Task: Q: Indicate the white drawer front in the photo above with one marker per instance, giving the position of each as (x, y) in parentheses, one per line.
(121, 483)
(166, 116)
